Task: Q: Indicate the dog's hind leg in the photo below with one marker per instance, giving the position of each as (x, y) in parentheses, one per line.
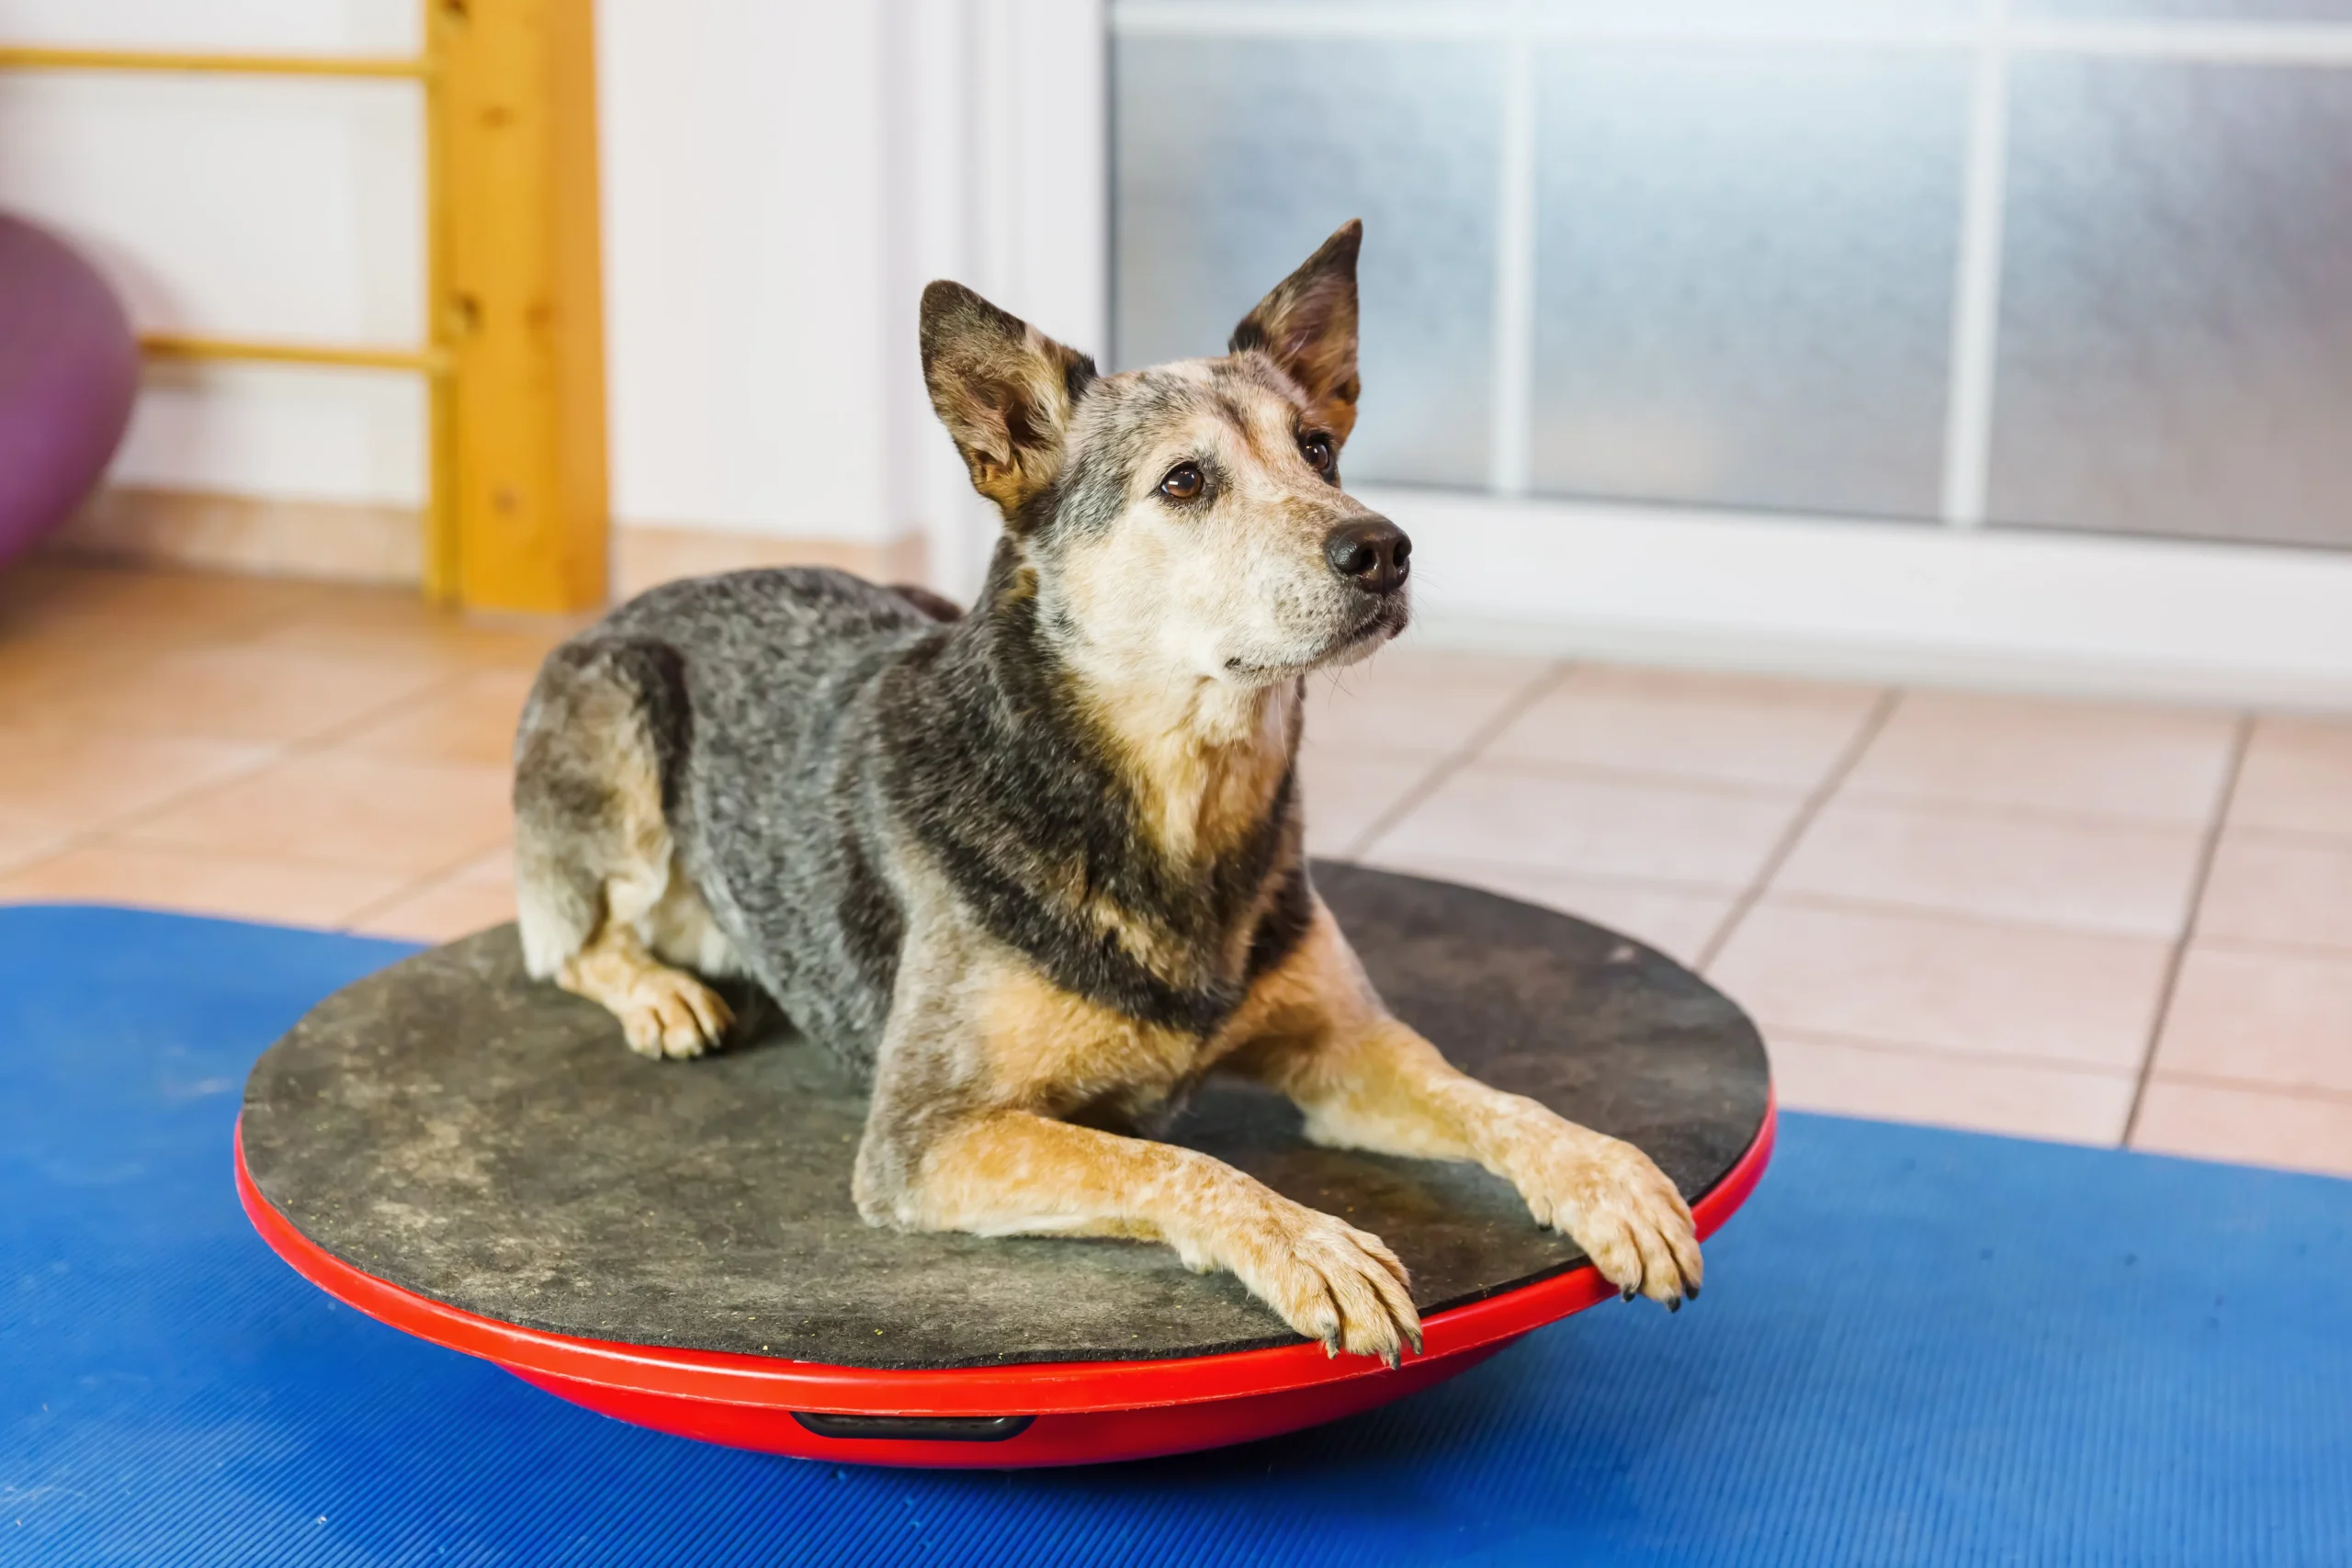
(598, 891)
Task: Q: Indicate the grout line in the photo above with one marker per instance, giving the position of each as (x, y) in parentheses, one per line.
(2263, 1086)
(1469, 867)
(1809, 808)
(1977, 287)
(437, 877)
(1841, 903)
(2030, 813)
(2114, 1071)
(441, 690)
(2170, 985)
(2337, 839)
(2261, 947)
(1698, 784)
(1536, 689)
(268, 755)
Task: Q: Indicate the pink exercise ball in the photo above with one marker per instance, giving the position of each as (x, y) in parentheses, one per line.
(69, 369)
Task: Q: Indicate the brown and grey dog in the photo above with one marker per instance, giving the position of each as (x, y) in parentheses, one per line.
(1036, 869)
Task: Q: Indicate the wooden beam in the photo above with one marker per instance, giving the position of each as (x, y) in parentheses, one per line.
(519, 304)
(17, 58)
(182, 346)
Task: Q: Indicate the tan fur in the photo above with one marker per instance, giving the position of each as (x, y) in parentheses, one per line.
(1204, 767)
(1315, 1029)
(1013, 1172)
(648, 908)
(1049, 1050)
(1007, 404)
(663, 1012)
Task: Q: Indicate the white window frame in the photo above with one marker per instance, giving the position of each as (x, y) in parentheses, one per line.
(1837, 597)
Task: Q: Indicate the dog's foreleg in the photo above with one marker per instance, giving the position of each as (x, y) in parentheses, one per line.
(1315, 1029)
(1016, 1173)
(663, 1012)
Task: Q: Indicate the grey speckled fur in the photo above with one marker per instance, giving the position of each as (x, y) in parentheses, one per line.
(769, 774)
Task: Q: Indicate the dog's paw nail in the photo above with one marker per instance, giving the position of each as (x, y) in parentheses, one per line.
(1674, 1304)
(1689, 1293)
(1628, 1293)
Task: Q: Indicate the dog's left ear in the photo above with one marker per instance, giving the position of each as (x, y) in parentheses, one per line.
(1005, 391)
(1307, 325)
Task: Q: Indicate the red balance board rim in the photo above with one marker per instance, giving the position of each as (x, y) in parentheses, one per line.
(1026, 1388)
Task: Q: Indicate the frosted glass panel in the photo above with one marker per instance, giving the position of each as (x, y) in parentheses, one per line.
(1745, 276)
(1235, 158)
(2175, 349)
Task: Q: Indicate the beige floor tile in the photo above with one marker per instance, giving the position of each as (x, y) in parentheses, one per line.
(26, 838)
(1945, 984)
(234, 694)
(2093, 759)
(154, 609)
(1590, 825)
(33, 670)
(1415, 701)
(473, 721)
(1347, 791)
(1677, 921)
(442, 912)
(2292, 1132)
(2260, 1017)
(241, 885)
(493, 868)
(2297, 774)
(75, 780)
(2091, 876)
(2280, 889)
(2028, 1099)
(401, 627)
(1733, 729)
(414, 818)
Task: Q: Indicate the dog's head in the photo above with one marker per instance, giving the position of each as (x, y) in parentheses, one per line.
(1186, 521)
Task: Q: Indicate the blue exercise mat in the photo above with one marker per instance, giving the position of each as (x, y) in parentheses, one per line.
(1914, 1348)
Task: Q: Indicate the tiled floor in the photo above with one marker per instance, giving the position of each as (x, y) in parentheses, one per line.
(2103, 923)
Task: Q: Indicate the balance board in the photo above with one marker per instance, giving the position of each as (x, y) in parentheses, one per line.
(478, 1159)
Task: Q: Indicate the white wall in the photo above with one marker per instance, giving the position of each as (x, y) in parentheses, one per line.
(781, 176)
(238, 207)
(747, 271)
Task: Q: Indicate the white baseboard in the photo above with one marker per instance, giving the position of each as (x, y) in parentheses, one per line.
(259, 535)
(647, 554)
(2058, 612)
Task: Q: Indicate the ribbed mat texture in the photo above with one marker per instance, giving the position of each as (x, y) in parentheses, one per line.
(1914, 1348)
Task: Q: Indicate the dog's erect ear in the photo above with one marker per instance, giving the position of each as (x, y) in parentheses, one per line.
(1307, 325)
(1004, 390)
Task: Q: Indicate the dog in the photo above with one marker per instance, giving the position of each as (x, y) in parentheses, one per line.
(1035, 868)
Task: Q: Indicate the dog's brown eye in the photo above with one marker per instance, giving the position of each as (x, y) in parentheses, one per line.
(1316, 450)
(1182, 483)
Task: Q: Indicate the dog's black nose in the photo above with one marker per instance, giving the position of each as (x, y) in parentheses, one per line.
(1371, 552)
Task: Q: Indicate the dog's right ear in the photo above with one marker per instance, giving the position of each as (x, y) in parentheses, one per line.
(1005, 391)
(1307, 325)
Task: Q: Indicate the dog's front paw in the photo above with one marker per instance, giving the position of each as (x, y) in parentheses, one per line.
(668, 1013)
(1329, 1281)
(1613, 1202)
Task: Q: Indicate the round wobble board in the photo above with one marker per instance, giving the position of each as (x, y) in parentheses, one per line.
(478, 1159)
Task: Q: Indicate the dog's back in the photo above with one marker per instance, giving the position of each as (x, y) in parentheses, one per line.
(699, 762)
